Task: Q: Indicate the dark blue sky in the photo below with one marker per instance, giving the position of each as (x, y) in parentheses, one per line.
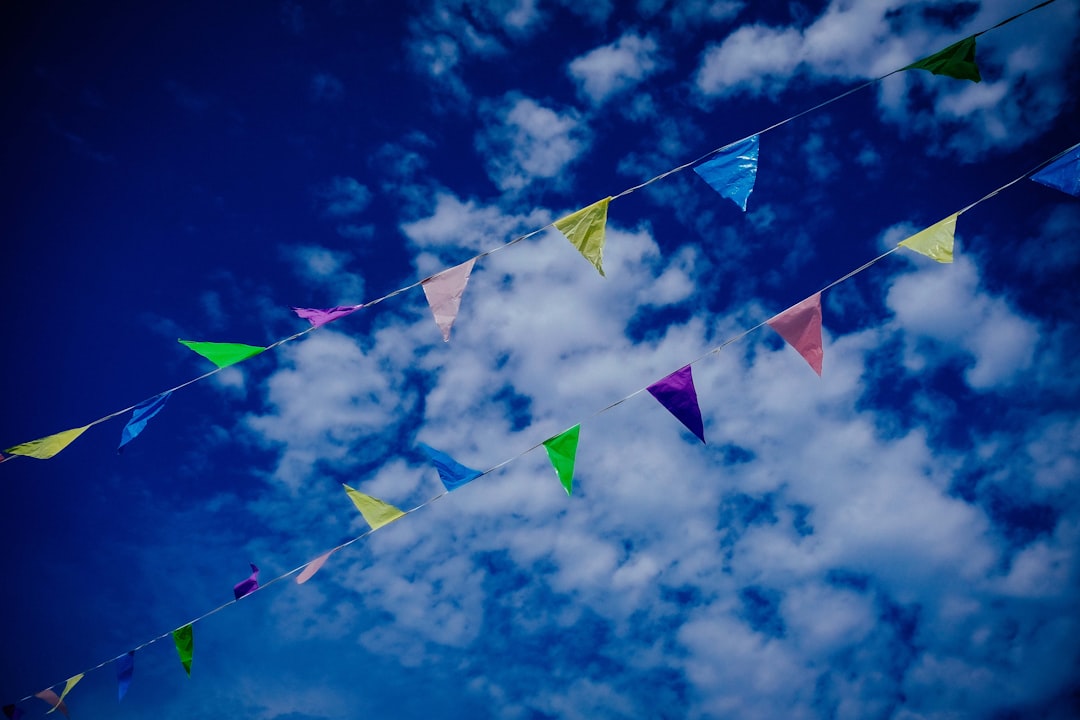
(897, 539)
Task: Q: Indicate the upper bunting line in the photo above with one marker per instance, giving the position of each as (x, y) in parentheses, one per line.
(308, 569)
(66, 437)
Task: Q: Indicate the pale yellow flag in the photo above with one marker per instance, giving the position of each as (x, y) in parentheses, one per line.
(44, 448)
(67, 688)
(375, 511)
(585, 231)
(935, 241)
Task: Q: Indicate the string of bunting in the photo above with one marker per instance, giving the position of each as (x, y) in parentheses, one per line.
(730, 170)
(799, 325)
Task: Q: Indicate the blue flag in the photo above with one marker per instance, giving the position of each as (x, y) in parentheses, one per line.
(733, 171)
(140, 415)
(452, 473)
(1063, 174)
(125, 668)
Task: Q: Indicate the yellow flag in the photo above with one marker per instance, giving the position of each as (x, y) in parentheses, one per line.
(935, 241)
(44, 448)
(67, 688)
(585, 231)
(375, 511)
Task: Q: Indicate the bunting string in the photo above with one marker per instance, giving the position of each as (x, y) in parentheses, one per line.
(49, 446)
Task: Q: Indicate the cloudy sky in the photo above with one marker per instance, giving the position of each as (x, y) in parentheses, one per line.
(895, 539)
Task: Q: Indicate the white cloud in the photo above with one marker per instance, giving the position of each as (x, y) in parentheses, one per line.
(328, 270)
(614, 68)
(344, 197)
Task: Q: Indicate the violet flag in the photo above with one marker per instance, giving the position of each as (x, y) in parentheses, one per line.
(444, 291)
(319, 318)
(248, 586)
(800, 326)
(12, 712)
(676, 392)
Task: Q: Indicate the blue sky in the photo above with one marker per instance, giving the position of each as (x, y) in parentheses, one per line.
(896, 539)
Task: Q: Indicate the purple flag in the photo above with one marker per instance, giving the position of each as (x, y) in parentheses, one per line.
(320, 317)
(10, 711)
(676, 393)
(246, 587)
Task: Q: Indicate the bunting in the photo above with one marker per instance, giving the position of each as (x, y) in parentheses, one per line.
(677, 394)
(443, 293)
(935, 241)
(141, 414)
(452, 473)
(184, 639)
(800, 326)
(956, 61)
(46, 447)
(313, 567)
(732, 173)
(318, 318)
(248, 586)
(125, 669)
(50, 696)
(376, 513)
(585, 231)
(562, 451)
(223, 354)
(1063, 174)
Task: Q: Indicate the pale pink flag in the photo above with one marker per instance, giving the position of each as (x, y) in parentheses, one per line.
(313, 567)
(800, 326)
(444, 293)
(50, 696)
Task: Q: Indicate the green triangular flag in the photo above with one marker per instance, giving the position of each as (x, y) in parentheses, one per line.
(185, 646)
(585, 231)
(561, 450)
(956, 61)
(46, 447)
(375, 511)
(223, 354)
(935, 241)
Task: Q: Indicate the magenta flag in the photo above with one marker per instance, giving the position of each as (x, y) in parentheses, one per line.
(319, 318)
(246, 587)
(444, 291)
(800, 326)
(676, 393)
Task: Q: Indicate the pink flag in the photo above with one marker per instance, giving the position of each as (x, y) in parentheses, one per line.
(676, 393)
(49, 696)
(320, 317)
(800, 325)
(313, 567)
(444, 293)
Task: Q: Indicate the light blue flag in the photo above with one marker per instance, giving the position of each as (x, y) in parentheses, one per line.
(1063, 174)
(452, 473)
(125, 668)
(140, 415)
(733, 171)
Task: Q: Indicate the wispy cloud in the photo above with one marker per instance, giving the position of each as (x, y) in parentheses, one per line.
(614, 68)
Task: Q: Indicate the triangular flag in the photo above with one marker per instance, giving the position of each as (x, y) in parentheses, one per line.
(452, 473)
(320, 317)
(585, 231)
(140, 415)
(676, 392)
(562, 450)
(248, 586)
(223, 354)
(800, 326)
(125, 669)
(1063, 174)
(444, 291)
(956, 61)
(71, 682)
(375, 511)
(46, 447)
(50, 696)
(185, 646)
(732, 172)
(313, 567)
(12, 712)
(935, 241)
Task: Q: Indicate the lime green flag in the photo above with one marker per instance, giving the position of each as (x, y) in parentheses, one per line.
(956, 61)
(185, 646)
(375, 511)
(71, 682)
(585, 231)
(44, 448)
(562, 450)
(223, 354)
(935, 241)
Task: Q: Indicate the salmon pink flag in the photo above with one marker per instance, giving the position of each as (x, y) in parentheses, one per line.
(313, 567)
(800, 326)
(676, 392)
(319, 318)
(50, 696)
(444, 291)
